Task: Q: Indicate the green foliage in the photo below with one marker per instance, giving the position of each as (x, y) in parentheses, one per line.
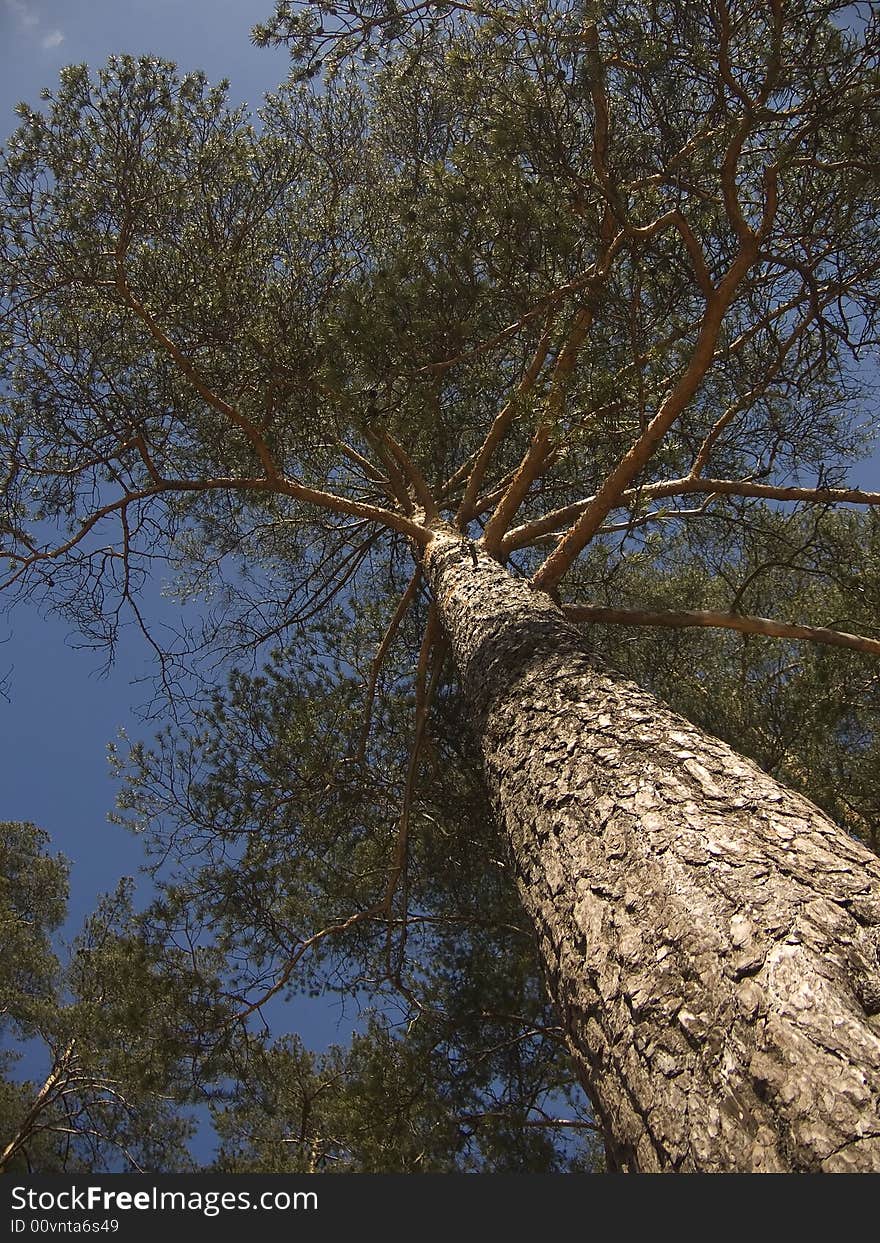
(268, 832)
(33, 901)
(384, 1105)
(169, 260)
(97, 1020)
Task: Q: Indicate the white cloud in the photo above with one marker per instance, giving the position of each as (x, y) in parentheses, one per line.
(22, 12)
(28, 19)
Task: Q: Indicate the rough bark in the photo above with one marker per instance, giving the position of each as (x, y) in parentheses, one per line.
(711, 939)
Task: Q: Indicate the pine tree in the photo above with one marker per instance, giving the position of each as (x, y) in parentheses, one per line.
(519, 306)
(112, 1091)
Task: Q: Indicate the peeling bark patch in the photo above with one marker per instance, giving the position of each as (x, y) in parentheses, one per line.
(709, 937)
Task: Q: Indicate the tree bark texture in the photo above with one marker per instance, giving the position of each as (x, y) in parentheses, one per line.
(711, 939)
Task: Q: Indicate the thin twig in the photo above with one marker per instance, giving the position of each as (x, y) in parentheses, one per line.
(379, 659)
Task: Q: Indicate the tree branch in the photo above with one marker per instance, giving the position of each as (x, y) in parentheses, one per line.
(62, 1070)
(379, 659)
(416, 479)
(190, 371)
(608, 496)
(542, 442)
(726, 621)
(529, 532)
(278, 486)
(497, 432)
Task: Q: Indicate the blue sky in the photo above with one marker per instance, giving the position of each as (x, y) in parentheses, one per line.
(39, 36)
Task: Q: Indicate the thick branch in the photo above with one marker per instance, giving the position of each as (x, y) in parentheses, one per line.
(277, 486)
(414, 476)
(541, 446)
(515, 493)
(608, 496)
(499, 429)
(395, 478)
(724, 621)
(367, 468)
(529, 532)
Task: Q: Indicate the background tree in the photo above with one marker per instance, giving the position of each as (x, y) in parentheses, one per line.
(139, 1028)
(592, 286)
(114, 1094)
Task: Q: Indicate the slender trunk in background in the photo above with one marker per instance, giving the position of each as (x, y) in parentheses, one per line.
(62, 1067)
(710, 938)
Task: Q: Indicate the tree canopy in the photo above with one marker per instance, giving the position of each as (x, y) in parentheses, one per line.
(594, 285)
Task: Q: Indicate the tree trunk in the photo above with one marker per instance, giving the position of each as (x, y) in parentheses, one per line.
(54, 1084)
(711, 939)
